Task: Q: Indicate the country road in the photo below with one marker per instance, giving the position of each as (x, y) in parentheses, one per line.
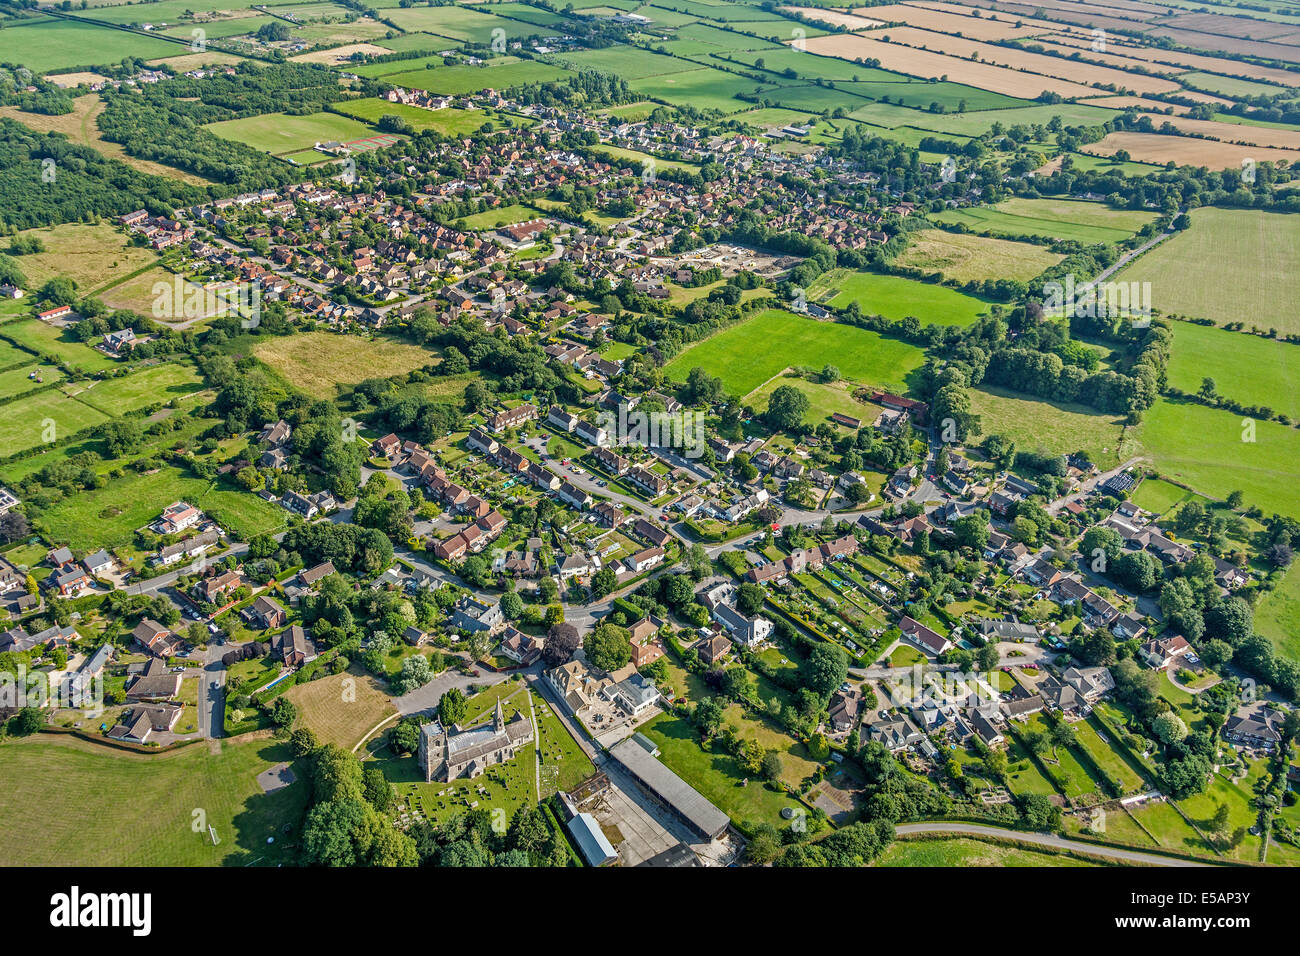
(1050, 840)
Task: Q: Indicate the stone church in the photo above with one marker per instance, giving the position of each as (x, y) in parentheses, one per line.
(445, 756)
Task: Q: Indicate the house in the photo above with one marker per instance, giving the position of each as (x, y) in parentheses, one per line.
(1253, 730)
(140, 723)
(1163, 652)
(188, 548)
(155, 638)
(644, 560)
(747, 630)
(386, 447)
(843, 711)
(1008, 629)
(473, 614)
(178, 516)
(713, 648)
(511, 418)
(1129, 627)
(652, 533)
(69, 581)
(571, 494)
(448, 755)
(268, 613)
(158, 682)
(931, 642)
(295, 646)
(99, 564)
(212, 589)
(893, 733)
(636, 694)
(521, 648)
(310, 577)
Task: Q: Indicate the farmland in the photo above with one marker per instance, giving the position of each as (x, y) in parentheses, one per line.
(1185, 150)
(1049, 426)
(967, 258)
(320, 362)
(50, 46)
(1245, 368)
(747, 355)
(450, 121)
(278, 133)
(462, 78)
(91, 256)
(896, 297)
(1198, 273)
(1050, 219)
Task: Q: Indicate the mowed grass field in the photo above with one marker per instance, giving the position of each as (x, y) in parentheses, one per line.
(53, 45)
(897, 297)
(341, 708)
(1051, 219)
(47, 339)
(823, 398)
(44, 417)
(1245, 368)
(970, 258)
(280, 133)
(450, 121)
(1048, 426)
(1232, 265)
(1204, 449)
(68, 802)
(748, 354)
(149, 386)
(462, 78)
(320, 362)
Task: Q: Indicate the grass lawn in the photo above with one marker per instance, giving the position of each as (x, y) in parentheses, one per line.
(44, 417)
(824, 398)
(1158, 496)
(149, 386)
(51, 340)
(320, 362)
(1169, 828)
(143, 806)
(1231, 265)
(1206, 449)
(1106, 756)
(1050, 218)
(967, 258)
(897, 297)
(967, 852)
(342, 708)
(564, 765)
(715, 774)
(496, 218)
(748, 354)
(460, 79)
(1049, 426)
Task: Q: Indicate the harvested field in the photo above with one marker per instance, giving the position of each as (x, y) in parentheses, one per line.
(341, 54)
(1042, 64)
(1139, 102)
(1184, 150)
(1211, 64)
(837, 19)
(929, 65)
(977, 28)
(69, 80)
(1212, 41)
(1108, 58)
(1234, 132)
(966, 258)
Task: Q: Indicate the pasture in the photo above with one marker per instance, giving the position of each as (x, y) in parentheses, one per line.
(1231, 265)
(450, 121)
(89, 255)
(1278, 615)
(150, 386)
(51, 46)
(1245, 368)
(1049, 427)
(319, 363)
(461, 79)
(46, 339)
(966, 257)
(1050, 219)
(753, 351)
(280, 133)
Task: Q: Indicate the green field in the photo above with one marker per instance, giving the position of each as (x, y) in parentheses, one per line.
(156, 384)
(1047, 426)
(47, 339)
(496, 218)
(1050, 218)
(1245, 368)
(108, 517)
(897, 297)
(1159, 496)
(1204, 448)
(461, 79)
(320, 362)
(747, 355)
(1278, 615)
(280, 133)
(44, 417)
(457, 23)
(967, 852)
(824, 399)
(449, 121)
(17, 381)
(54, 45)
(1232, 265)
(143, 808)
(703, 88)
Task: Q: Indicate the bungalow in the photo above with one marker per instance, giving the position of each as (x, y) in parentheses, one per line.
(157, 682)
(1165, 651)
(1253, 730)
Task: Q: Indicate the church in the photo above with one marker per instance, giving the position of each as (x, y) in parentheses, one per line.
(445, 756)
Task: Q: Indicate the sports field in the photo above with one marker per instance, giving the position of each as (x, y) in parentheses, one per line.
(1232, 265)
(1051, 219)
(967, 258)
(748, 354)
(280, 133)
(67, 801)
(897, 297)
(1205, 449)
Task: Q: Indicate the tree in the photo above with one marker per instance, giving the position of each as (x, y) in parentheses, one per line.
(512, 605)
(750, 598)
(825, 669)
(609, 647)
(765, 845)
(786, 408)
(1169, 728)
(561, 641)
(603, 582)
(26, 722)
(1061, 735)
(284, 712)
(771, 766)
(453, 707)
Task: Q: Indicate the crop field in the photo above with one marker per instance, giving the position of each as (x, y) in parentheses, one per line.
(89, 255)
(1231, 265)
(1049, 426)
(458, 23)
(52, 46)
(748, 354)
(966, 257)
(1186, 150)
(1245, 368)
(631, 63)
(461, 79)
(704, 88)
(450, 121)
(280, 133)
(808, 65)
(980, 119)
(1050, 219)
(320, 362)
(897, 297)
(54, 785)
(1206, 449)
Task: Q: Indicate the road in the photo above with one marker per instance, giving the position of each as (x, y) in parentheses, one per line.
(1049, 840)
